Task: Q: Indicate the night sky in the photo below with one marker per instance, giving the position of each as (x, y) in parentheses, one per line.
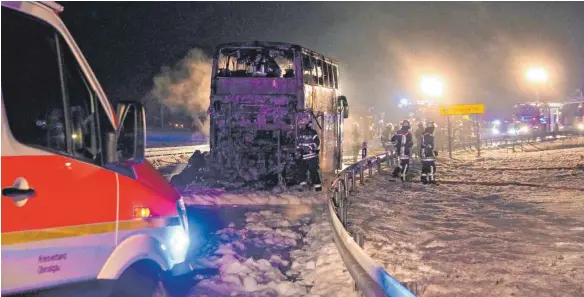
(480, 49)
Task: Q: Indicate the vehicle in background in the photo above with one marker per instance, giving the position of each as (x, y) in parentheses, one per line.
(259, 91)
(572, 119)
(80, 204)
(537, 117)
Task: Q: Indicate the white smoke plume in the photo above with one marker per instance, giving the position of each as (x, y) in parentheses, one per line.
(186, 86)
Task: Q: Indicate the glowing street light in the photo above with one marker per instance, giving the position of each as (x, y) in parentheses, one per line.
(537, 75)
(403, 102)
(432, 86)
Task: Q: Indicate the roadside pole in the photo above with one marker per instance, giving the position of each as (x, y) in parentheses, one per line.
(478, 136)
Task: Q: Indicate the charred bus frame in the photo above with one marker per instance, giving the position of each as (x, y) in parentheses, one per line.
(255, 107)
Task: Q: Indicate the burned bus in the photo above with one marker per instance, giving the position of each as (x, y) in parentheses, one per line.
(259, 92)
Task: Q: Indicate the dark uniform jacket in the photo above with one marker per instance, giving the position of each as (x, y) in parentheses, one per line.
(308, 143)
(403, 142)
(427, 147)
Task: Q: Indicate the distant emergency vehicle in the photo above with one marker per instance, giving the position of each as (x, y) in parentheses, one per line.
(573, 116)
(537, 117)
(79, 201)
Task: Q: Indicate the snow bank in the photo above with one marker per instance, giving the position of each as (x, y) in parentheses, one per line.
(277, 254)
(474, 240)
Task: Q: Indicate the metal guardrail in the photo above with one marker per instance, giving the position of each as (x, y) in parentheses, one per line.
(162, 152)
(370, 278)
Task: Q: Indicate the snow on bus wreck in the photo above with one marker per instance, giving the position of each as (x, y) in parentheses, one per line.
(259, 93)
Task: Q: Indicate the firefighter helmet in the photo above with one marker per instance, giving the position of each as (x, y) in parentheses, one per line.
(430, 124)
(304, 120)
(420, 124)
(405, 123)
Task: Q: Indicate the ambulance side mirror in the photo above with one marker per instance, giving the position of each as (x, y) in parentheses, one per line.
(344, 104)
(131, 132)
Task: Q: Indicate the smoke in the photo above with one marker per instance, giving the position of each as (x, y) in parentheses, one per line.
(186, 87)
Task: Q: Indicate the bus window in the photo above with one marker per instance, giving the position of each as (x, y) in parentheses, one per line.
(331, 79)
(335, 77)
(326, 75)
(255, 62)
(319, 74)
(308, 70)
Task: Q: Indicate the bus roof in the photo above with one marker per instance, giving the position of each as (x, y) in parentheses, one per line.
(275, 45)
(54, 6)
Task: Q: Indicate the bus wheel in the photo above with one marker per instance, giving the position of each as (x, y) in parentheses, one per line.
(143, 279)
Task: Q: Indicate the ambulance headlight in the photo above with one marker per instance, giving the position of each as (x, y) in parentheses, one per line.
(511, 131)
(495, 131)
(581, 127)
(177, 245)
(524, 129)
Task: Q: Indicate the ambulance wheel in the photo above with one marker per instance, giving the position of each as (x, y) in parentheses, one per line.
(143, 279)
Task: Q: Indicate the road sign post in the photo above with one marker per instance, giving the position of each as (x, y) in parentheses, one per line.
(478, 136)
(462, 109)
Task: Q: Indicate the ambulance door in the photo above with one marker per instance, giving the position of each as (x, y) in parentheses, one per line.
(58, 202)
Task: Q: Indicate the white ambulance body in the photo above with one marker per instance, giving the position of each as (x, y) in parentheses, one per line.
(79, 201)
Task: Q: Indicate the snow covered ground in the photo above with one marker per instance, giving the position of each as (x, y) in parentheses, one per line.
(265, 244)
(271, 251)
(469, 239)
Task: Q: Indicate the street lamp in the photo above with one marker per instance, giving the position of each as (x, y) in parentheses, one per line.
(537, 75)
(403, 102)
(431, 86)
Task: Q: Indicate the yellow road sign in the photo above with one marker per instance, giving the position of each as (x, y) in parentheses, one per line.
(462, 109)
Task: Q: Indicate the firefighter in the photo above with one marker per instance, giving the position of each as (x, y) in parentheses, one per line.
(428, 154)
(309, 148)
(364, 150)
(403, 142)
(418, 136)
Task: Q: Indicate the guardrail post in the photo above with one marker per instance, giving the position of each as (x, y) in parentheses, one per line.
(343, 194)
(341, 206)
(378, 165)
(361, 175)
(359, 239)
(353, 179)
(370, 165)
(345, 212)
(337, 199)
(346, 181)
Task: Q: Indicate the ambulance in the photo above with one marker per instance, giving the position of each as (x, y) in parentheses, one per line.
(81, 207)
